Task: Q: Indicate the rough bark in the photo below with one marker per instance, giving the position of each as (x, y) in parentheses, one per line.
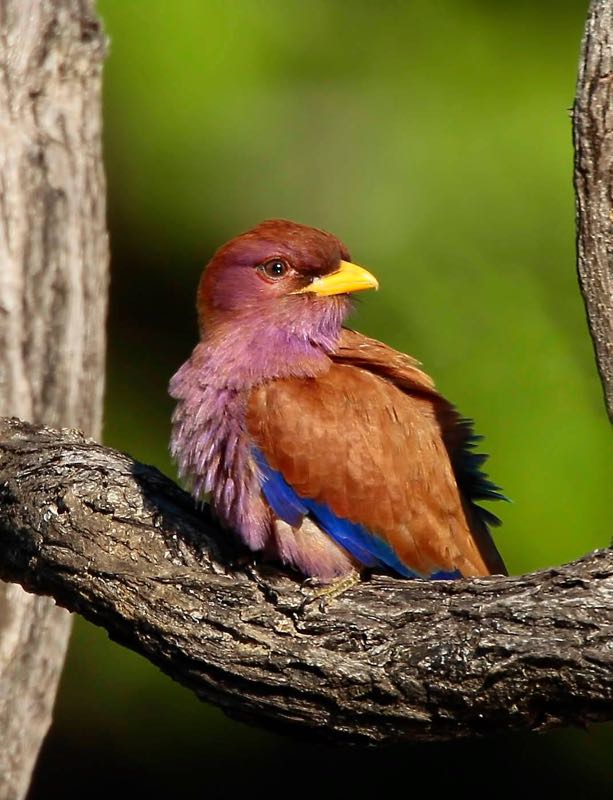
(53, 276)
(593, 139)
(386, 660)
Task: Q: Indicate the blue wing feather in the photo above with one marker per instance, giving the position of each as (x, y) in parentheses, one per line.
(368, 548)
(283, 500)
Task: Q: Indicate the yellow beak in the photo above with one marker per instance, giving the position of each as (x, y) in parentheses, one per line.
(347, 278)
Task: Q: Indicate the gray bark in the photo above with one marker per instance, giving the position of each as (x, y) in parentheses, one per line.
(385, 661)
(53, 278)
(593, 139)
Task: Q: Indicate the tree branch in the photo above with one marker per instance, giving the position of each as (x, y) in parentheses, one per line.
(387, 660)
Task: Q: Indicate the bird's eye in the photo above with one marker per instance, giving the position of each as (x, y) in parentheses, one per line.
(274, 269)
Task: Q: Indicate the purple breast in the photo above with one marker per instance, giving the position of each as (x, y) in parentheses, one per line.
(210, 445)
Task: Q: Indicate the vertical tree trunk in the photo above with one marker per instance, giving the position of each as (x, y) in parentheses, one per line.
(593, 138)
(53, 282)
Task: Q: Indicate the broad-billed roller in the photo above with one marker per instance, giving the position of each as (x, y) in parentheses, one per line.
(325, 449)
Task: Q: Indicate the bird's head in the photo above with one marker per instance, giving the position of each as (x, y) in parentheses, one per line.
(291, 276)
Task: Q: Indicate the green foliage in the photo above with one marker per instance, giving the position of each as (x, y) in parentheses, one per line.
(434, 137)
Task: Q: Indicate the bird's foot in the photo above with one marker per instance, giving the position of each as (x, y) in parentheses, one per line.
(331, 591)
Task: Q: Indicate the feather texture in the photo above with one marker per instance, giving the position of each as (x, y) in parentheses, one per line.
(372, 444)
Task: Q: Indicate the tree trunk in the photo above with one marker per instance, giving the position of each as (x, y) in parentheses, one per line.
(593, 138)
(53, 281)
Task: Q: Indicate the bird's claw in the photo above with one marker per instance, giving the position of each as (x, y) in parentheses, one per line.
(331, 590)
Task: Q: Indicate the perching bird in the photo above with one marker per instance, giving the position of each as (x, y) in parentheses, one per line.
(328, 450)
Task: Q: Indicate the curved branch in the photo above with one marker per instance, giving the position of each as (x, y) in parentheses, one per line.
(386, 660)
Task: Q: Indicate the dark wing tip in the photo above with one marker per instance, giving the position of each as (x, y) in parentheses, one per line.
(472, 479)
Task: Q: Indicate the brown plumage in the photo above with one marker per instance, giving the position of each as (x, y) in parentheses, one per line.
(371, 439)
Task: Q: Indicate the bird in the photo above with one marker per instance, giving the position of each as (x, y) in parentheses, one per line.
(321, 448)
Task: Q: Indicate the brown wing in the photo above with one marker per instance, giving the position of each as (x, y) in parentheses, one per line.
(456, 431)
(365, 439)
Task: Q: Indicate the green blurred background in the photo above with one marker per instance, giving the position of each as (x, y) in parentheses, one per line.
(434, 138)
